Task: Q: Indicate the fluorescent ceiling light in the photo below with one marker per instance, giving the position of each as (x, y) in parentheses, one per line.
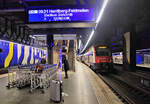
(101, 11)
(79, 44)
(40, 35)
(143, 50)
(92, 33)
(97, 21)
(31, 36)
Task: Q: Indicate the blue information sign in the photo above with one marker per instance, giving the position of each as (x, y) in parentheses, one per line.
(54, 15)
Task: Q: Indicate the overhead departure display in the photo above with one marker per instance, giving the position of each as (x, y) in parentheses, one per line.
(54, 15)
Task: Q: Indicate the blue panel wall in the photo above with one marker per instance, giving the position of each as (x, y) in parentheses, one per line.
(34, 55)
(29, 58)
(22, 55)
(139, 59)
(17, 60)
(5, 50)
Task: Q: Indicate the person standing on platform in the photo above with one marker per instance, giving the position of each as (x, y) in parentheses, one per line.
(66, 67)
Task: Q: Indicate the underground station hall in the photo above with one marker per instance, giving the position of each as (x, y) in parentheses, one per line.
(74, 51)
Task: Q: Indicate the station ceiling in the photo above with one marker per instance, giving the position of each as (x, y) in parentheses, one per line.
(118, 18)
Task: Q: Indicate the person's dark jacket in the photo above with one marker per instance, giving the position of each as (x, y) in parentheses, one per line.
(43, 61)
(66, 65)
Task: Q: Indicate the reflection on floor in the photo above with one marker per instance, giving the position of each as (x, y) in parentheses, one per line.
(143, 65)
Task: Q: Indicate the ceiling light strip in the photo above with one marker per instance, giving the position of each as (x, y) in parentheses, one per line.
(97, 21)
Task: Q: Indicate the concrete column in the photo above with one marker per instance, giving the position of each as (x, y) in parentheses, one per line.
(50, 55)
(126, 51)
(129, 50)
(50, 48)
(71, 57)
(55, 56)
(133, 49)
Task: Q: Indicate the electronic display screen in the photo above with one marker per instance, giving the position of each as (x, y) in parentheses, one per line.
(57, 15)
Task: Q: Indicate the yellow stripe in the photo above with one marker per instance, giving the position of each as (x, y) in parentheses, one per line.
(10, 55)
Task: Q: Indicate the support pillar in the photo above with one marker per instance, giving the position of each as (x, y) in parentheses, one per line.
(71, 56)
(50, 55)
(129, 50)
(50, 48)
(133, 49)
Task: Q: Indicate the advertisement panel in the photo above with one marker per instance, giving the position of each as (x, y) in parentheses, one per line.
(117, 57)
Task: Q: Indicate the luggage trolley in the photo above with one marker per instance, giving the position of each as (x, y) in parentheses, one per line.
(36, 79)
(24, 75)
(42, 80)
(12, 76)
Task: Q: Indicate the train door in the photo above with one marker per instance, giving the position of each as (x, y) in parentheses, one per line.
(88, 60)
(91, 59)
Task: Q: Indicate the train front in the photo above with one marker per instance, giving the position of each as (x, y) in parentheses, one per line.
(103, 59)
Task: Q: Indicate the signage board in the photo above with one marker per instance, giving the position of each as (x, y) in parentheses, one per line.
(64, 36)
(61, 15)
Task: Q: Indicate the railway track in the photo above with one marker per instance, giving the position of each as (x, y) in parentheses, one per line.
(126, 92)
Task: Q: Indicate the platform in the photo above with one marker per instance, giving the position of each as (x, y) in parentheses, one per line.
(82, 87)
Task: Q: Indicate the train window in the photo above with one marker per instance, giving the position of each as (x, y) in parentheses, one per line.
(1, 50)
(102, 53)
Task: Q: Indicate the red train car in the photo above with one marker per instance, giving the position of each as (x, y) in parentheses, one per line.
(99, 58)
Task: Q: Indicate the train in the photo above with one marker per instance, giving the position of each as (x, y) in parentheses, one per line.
(14, 54)
(98, 58)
